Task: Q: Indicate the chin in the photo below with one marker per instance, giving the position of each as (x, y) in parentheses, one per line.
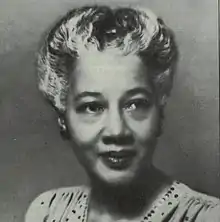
(112, 177)
(117, 179)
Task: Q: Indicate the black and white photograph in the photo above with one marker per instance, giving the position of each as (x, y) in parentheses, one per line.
(109, 111)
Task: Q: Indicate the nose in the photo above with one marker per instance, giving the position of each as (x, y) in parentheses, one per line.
(115, 124)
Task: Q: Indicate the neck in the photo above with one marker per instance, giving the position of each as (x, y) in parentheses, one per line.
(129, 200)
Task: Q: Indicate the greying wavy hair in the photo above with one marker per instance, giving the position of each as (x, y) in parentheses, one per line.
(129, 30)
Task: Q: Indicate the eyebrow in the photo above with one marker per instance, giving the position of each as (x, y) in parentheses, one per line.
(87, 94)
(130, 92)
(138, 90)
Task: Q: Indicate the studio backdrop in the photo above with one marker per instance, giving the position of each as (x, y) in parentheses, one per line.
(34, 158)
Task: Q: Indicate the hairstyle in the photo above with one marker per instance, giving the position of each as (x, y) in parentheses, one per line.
(129, 30)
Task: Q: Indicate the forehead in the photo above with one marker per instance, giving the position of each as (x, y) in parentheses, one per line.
(100, 71)
(95, 59)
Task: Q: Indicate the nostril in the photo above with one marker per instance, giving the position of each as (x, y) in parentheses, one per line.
(118, 140)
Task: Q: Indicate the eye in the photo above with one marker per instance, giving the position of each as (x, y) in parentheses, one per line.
(137, 105)
(91, 108)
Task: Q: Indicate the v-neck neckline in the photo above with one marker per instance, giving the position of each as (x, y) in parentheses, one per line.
(166, 201)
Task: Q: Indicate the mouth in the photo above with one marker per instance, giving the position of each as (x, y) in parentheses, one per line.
(118, 160)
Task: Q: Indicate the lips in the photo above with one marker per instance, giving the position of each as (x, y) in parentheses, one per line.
(118, 160)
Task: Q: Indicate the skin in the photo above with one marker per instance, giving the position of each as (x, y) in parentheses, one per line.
(111, 98)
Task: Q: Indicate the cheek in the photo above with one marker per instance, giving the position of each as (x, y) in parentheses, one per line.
(146, 128)
(82, 131)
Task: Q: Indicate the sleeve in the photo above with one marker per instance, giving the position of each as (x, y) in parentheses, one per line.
(200, 208)
(39, 209)
(210, 212)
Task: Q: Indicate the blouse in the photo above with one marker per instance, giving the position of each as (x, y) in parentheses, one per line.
(177, 203)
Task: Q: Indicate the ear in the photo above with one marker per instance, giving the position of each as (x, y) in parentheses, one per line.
(163, 100)
(61, 123)
(64, 132)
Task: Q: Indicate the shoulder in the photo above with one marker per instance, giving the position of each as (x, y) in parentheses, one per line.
(197, 205)
(42, 206)
(188, 192)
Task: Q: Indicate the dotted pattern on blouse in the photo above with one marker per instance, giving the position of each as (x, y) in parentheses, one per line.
(163, 205)
(176, 203)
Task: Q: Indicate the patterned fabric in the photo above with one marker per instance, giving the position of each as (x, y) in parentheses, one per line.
(177, 203)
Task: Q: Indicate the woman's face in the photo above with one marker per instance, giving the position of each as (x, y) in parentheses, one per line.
(113, 117)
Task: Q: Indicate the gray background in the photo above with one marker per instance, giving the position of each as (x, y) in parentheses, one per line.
(33, 158)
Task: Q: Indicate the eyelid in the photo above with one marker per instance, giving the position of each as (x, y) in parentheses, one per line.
(86, 100)
(142, 101)
(138, 99)
(82, 107)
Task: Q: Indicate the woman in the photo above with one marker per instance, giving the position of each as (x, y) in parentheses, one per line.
(108, 73)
